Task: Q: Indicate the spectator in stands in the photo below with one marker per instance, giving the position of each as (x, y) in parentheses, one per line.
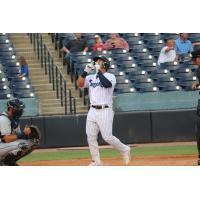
(183, 46)
(116, 42)
(167, 53)
(98, 45)
(23, 68)
(75, 45)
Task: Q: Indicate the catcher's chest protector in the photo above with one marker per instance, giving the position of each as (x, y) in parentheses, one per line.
(14, 123)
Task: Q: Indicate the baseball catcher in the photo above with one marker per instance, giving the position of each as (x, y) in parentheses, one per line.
(14, 143)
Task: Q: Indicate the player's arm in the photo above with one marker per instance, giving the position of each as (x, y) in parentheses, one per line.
(104, 81)
(81, 81)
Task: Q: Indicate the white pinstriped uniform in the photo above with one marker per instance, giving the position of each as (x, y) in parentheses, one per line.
(101, 119)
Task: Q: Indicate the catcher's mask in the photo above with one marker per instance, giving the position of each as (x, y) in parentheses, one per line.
(106, 62)
(17, 107)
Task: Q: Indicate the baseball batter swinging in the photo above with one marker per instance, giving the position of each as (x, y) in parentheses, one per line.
(100, 115)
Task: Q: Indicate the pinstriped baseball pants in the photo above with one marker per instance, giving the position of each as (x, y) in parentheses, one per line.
(101, 120)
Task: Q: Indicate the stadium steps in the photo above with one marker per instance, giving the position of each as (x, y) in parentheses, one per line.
(39, 80)
(58, 61)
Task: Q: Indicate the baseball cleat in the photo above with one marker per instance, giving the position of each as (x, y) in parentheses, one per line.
(127, 156)
(95, 164)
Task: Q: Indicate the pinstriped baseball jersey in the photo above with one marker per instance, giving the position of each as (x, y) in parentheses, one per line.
(98, 94)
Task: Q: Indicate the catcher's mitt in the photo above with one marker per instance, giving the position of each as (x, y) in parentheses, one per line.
(35, 134)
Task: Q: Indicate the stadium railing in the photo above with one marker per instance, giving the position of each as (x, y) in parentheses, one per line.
(56, 77)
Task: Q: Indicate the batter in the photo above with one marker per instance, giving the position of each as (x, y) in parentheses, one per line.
(100, 116)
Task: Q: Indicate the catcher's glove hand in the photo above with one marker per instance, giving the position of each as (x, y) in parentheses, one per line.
(34, 135)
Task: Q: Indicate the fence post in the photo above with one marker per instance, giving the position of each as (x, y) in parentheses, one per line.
(52, 71)
(57, 91)
(65, 92)
(74, 103)
(41, 50)
(49, 67)
(31, 37)
(70, 101)
(61, 90)
(38, 56)
(34, 44)
(45, 58)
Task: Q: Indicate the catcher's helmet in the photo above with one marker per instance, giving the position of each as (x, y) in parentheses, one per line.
(18, 107)
(106, 61)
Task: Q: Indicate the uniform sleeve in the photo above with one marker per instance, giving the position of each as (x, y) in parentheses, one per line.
(111, 78)
(5, 127)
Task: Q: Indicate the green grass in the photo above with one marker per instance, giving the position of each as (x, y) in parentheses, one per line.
(137, 151)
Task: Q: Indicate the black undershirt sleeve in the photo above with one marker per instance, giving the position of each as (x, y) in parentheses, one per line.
(104, 81)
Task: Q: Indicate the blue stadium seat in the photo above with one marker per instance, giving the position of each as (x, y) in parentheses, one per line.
(160, 73)
(143, 82)
(187, 82)
(149, 89)
(182, 73)
(124, 88)
(170, 35)
(172, 66)
(5, 93)
(167, 84)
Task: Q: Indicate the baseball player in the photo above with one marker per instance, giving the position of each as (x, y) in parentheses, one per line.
(196, 60)
(100, 115)
(14, 143)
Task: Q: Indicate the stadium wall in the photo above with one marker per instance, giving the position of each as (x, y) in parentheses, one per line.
(129, 127)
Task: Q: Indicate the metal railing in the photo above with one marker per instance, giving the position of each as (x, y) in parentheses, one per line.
(55, 76)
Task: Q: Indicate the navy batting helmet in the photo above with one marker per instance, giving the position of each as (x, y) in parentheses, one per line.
(106, 61)
(18, 107)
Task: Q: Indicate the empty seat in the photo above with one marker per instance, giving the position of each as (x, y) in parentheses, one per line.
(143, 82)
(139, 74)
(23, 93)
(187, 82)
(160, 73)
(149, 89)
(124, 88)
(172, 66)
(5, 93)
(182, 73)
(167, 84)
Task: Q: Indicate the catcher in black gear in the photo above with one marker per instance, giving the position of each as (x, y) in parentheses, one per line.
(14, 143)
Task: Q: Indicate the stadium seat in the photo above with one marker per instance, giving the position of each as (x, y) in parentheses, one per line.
(149, 67)
(143, 82)
(5, 93)
(182, 73)
(124, 88)
(172, 66)
(167, 84)
(160, 73)
(170, 35)
(149, 89)
(187, 82)
(136, 75)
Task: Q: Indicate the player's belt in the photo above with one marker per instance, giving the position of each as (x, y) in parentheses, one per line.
(100, 106)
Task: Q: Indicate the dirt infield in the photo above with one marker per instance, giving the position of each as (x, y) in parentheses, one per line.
(183, 160)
